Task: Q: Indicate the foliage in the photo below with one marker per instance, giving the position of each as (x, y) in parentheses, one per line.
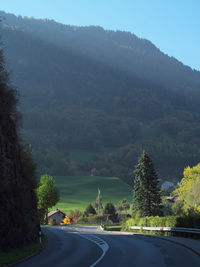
(110, 211)
(74, 215)
(122, 205)
(66, 220)
(177, 208)
(188, 189)
(113, 228)
(167, 208)
(169, 221)
(18, 212)
(89, 210)
(146, 194)
(47, 193)
(13, 256)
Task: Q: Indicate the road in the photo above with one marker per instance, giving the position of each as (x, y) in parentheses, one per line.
(72, 246)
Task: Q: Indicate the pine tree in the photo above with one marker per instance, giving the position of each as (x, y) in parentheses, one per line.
(110, 211)
(146, 193)
(89, 210)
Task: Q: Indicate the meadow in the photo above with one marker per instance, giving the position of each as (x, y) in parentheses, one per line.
(76, 192)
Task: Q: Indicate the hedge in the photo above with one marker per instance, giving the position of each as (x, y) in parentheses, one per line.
(192, 221)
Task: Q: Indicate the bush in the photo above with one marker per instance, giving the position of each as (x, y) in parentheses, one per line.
(189, 221)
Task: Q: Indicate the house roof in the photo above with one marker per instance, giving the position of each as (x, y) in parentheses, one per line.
(54, 212)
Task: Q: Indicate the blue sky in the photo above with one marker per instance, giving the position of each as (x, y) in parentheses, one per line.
(172, 25)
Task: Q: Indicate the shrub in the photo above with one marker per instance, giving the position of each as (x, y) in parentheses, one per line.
(190, 221)
(66, 220)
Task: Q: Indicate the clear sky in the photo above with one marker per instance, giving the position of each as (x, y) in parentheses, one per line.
(172, 25)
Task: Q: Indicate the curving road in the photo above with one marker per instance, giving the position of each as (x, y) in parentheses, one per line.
(86, 246)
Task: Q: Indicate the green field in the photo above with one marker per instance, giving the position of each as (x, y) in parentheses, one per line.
(76, 192)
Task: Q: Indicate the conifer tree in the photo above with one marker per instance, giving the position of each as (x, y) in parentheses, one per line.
(146, 193)
(18, 206)
(89, 210)
(110, 211)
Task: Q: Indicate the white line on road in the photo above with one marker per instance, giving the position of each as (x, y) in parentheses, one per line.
(99, 242)
(93, 238)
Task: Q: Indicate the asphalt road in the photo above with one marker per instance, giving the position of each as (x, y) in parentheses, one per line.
(86, 246)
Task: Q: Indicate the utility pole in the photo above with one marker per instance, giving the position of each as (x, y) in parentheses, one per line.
(99, 202)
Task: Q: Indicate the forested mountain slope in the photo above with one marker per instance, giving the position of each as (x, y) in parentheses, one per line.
(84, 87)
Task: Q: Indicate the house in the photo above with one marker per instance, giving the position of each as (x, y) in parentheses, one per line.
(56, 216)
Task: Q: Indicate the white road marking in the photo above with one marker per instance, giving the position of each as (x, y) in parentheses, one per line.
(93, 238)
(99, 242)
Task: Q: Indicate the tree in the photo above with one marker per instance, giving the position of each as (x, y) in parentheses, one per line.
(146, 193)
(66, 220)
(47, 193)
(110, 211)
(122, 205)
(19, 224)
(74, 215)
(89, 210)
(188, 189)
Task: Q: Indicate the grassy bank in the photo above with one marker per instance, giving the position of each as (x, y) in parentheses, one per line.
(20, 254)
(113, 228)
(76, 192)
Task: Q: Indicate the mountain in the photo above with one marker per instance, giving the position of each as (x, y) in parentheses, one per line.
(92, 89)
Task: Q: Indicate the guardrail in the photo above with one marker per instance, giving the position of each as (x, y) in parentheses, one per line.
(167, 229)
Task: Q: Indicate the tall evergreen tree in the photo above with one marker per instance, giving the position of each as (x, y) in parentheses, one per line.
(18, 210)
(110, 211)
(146, 193)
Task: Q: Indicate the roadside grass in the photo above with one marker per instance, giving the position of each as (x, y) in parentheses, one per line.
(20, 254)
(113, 228)
(76, 192)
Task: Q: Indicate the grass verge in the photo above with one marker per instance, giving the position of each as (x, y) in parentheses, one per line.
(113, 228)
(20, 254)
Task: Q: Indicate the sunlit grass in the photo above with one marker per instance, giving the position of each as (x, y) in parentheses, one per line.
(78, 191)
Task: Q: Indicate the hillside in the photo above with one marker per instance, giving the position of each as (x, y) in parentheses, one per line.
(101, 91)
(77, 192)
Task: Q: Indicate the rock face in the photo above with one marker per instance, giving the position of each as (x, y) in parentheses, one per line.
(18, 212)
